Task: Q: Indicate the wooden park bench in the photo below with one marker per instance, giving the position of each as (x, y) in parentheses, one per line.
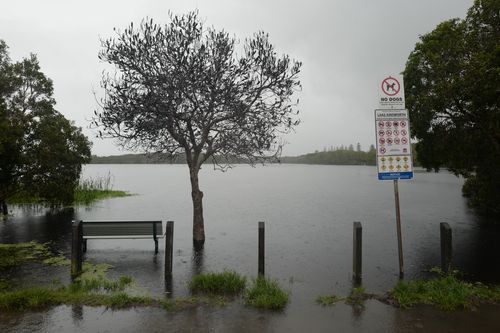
(84, 230)
(122, 230)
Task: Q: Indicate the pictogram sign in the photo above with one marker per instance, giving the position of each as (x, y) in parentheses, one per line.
(393, 145)
(391, 93)
(390, 86)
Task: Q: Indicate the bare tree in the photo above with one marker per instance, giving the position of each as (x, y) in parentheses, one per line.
(183, 88)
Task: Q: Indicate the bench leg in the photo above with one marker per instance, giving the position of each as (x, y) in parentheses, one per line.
(84, 245)
(156, 246)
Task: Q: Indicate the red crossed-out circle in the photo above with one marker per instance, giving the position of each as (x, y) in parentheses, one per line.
(381, 132)
(381, 124)
(388, 123)
(396, 132)
(389, 141)
(403, 124)
(396, 141)
(403, 132)
(381, 140)
(390, 86)
(382, 150)
(388, 132)
(404, 140)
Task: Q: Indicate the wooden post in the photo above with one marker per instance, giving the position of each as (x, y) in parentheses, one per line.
(154, 238)
(169, 248)
(446, 247)
(261, 248)
(398, 229)
(76, 248)
(356, 254)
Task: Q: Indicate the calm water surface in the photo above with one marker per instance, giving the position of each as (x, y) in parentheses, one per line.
(308, 210)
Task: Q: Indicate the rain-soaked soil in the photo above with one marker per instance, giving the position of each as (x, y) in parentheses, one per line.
(308, 212)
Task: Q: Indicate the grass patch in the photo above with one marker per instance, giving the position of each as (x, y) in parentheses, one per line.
(37, 298)
(12, 255)
(225, 283)
(88, 191)
(94, 189)
(93, 278)
(357, 296)
(86, 197)
(447, 292)
(328, 300)
(90, 288)
(266, 294)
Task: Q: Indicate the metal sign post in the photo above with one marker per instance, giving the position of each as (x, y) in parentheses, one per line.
(392, 128)
(398, 228)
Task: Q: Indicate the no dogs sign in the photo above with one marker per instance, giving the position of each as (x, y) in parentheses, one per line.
(392, 93)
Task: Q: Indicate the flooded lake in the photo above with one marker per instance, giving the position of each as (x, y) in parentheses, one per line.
(309, 211)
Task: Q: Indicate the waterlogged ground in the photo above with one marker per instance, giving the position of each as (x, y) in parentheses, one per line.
(308, 211)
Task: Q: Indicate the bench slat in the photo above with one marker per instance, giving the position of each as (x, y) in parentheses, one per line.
(123, 237)
(121, 228)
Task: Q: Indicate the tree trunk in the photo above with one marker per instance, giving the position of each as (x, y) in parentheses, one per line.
(4, 207)
(197, 196)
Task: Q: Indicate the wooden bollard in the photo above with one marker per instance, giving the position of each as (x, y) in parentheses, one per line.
(357, 252)
(76, 248)
(446, 246)
(169, 248)
(261, 248)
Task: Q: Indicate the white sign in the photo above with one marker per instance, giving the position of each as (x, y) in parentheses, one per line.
(392, 93)
(393, 144)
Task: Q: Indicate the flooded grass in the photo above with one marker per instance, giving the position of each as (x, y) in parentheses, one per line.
(266, 294)
(17, 254)
(447, 292)
(357, 296)
(225, 283)
(93, 189)
(36, 298)
(88, 191)
(93, 288)
(328, 300)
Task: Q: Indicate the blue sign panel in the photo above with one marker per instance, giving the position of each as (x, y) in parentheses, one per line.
(395, 175)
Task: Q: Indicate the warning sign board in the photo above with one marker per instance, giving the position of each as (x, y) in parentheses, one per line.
(393, 144)
(392, 92)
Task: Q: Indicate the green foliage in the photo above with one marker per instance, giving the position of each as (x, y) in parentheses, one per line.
(447, 292)
(93, 189)
(28, 299)
(266, 294)
(93, 278)
(36, 298)
(225, 283)
(41, 152)
(357, 296)
(328, 300)
(88, 191)
(12, 255)
(451, 80)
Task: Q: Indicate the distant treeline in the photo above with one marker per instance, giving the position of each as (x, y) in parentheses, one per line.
(339, 156)
(146, 159)
(138, 159)
(335, 156)
(342, 155)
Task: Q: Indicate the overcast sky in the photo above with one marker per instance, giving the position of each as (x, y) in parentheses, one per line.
(346, 48)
